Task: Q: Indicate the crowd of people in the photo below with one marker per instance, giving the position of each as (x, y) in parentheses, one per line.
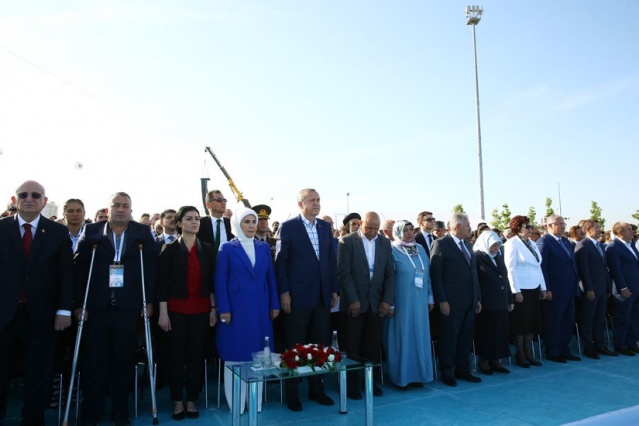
(222, 283)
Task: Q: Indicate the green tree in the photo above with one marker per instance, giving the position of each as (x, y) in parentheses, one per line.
(532, 215)
(549, 209)
(501, 220)
(635, 215)
(595, 214)
(458, 209)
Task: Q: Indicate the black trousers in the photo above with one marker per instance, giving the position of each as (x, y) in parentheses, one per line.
(39, 345)
(307, 326)
(593, 322)
(456, 341)
(362, 336)
(109, 358)
(187, 340)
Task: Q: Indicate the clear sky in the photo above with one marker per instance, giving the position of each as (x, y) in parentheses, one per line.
(372, 98)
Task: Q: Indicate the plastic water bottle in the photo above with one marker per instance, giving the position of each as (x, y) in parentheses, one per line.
(335, 343)
(266, 360)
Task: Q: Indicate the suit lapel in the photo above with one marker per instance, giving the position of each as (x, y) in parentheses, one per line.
(359, 248)
(306, 237)
(245, 259)
(14, 235)
(458, 250)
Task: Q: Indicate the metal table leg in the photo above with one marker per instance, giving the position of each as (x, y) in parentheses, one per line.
(236, 395)
(342, 390)
(368, 383)
(253, 401)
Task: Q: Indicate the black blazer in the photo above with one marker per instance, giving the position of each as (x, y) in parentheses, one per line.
(129, 297)
(453, 280)
(205, 233)
(421, 240)
(173, 267)
(47, 275)
(592, 268)
(493, 282)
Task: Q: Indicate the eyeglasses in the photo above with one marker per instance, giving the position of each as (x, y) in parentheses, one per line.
(527, 226)
(430, 219)
(34, 195)
(557, 224)
(219, 200)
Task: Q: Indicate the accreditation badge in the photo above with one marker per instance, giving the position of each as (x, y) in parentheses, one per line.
(419, 279)
(116, 276)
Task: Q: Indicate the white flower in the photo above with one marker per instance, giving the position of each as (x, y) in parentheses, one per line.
(309, 357)
(331, 358)
(297, 358)
(308, 346)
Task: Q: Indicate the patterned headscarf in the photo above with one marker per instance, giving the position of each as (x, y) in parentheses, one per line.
(485, 241)
(398, 237)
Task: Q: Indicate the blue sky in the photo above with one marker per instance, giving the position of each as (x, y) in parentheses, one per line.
(371, 98)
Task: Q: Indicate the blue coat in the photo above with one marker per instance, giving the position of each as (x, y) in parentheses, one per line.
(558, 267)
(248, 293)
(624, 267)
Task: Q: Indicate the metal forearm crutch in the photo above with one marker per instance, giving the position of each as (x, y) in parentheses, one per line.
(78, 337)
(149, 344)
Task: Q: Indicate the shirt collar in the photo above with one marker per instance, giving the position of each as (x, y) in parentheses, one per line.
(308, 222)
(34, 223)
(364, 237)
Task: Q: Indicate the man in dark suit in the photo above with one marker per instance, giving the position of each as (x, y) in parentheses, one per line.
(167, 219)
(37, 290)
(215, 229)
(453, 273)
(263, 215)
(594, 277)
(114, 305)
(426, 222)
(367, 282)
(623, 263)
(306, 271)
(560, 273)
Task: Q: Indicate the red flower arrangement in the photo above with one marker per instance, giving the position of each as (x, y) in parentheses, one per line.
(311, 355)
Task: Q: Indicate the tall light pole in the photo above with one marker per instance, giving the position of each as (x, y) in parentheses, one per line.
(348, 209)
(473, 16)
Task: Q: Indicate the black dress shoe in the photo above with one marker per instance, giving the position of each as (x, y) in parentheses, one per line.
(635, 349)
(353, 393)
(559, 359)
(571, 357)
(192, 414)
(468, 377)
(322, 398)
(377, 391)
(523, 364)
(591, 353)
(606, 351)
(625, 351)
(449, 381)
(401, 388)
(487, 371)
(418, 385)
(534, 362)
(178, 416)
(498, 368)
(294, 404)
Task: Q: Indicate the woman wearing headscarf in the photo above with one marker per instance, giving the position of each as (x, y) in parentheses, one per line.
(407, 332)
(247, 298)
(523, 262)
(187, 309)
(491, 324)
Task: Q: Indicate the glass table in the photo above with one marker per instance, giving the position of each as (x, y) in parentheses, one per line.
(244, 372)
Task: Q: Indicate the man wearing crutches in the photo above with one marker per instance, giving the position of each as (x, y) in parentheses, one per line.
(36, 280)
(125, 262)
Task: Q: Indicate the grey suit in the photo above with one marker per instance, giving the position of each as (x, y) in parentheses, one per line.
(362, 334)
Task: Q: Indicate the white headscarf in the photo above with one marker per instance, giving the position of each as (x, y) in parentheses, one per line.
(236, 224)
(485, 240)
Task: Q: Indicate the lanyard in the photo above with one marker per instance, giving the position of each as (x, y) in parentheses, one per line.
(411, 260)
(118, 250)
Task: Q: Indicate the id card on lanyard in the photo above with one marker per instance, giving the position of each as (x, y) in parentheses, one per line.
(419, 275)
(116, 270)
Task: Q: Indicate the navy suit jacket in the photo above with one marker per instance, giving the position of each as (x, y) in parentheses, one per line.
(592, 268)
(623, 266)
(421, 239)
(206, 230)
(309, 281)
(454, 281)
(559, 268)
(47, 276)
(129, 297)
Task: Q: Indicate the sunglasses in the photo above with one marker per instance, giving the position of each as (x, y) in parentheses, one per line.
(219, 200)
(34, 195)
(527, 226)
(430, 219)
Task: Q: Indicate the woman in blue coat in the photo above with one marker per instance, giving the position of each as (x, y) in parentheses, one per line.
(247, 298)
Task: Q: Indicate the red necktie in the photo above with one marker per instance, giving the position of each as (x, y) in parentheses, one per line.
(27, 239)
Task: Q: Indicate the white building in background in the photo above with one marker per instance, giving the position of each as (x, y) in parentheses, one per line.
(51, 209)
